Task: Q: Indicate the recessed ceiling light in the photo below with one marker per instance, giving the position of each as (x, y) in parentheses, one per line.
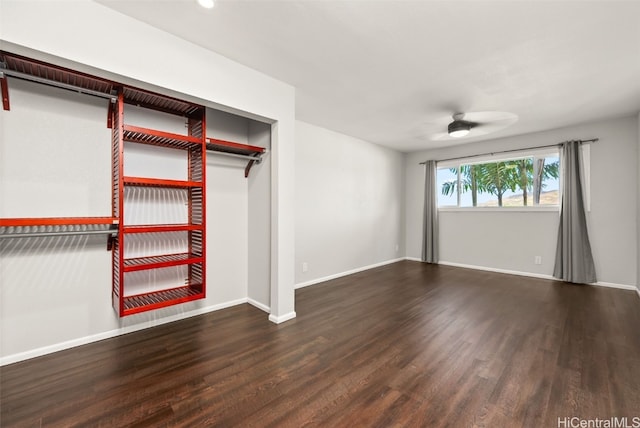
(207, 4)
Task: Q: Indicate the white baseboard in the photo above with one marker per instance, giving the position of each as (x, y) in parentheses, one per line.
(282, 318)
(533, 275)
(349, 272)
(614, 285)
(259, 305)
(413, 259)
(638, 291)
(497, 270)
(38, 352)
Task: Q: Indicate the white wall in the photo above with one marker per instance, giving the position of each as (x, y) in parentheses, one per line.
(259, 218)
(239, 240)
(638, 205)
(227, 214)
(479, 239)
(47, 122)
(73, 34)
(349, 203)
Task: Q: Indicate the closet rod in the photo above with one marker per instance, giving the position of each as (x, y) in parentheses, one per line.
(592, 140)
(111, 232)
(61, 85)
(234, 155)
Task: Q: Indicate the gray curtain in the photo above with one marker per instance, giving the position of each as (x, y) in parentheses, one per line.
(574, 262)
(430, 217)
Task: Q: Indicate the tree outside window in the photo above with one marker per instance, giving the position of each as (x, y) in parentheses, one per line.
(524, 181)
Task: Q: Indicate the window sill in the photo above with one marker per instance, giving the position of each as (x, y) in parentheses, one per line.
(550, 208)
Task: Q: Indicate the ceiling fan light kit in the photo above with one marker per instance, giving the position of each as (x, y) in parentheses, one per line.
(459, 128)
(207, 4)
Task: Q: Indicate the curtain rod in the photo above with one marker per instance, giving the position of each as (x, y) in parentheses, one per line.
(592, 140)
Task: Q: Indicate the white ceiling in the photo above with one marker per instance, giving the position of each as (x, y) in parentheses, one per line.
(391, 72)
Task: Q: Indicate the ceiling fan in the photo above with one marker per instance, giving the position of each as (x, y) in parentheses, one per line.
(471, 124)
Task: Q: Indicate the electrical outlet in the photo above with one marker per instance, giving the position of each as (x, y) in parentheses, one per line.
(537, 260)
(397, 248)
(305, 266)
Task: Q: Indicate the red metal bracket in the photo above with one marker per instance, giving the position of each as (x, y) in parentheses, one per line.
(110, 115)
(110, 241)
(5, 92)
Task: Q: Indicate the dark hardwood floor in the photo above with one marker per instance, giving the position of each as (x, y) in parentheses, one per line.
(403, 345)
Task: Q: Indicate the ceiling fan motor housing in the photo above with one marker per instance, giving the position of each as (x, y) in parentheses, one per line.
(459, 125)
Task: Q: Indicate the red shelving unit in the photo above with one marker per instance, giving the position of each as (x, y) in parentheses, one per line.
(158, 262)
(157, 182)
(137, 134)
(126, 301)
(158, 299)
(33, 70)
(152, 228)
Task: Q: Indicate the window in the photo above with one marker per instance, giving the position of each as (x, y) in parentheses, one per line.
(523, 179)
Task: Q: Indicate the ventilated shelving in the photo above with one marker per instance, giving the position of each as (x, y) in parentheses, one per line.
(57, 226)
(32, 70)
(126, 299)
(229, 148)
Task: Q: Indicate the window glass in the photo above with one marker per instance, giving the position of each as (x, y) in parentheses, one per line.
(549, 173)
(524, 181)
(447, 183)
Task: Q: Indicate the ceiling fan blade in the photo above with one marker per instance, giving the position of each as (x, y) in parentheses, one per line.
(439, 120)
(439, 136)
(491, 127)
(490, 116)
